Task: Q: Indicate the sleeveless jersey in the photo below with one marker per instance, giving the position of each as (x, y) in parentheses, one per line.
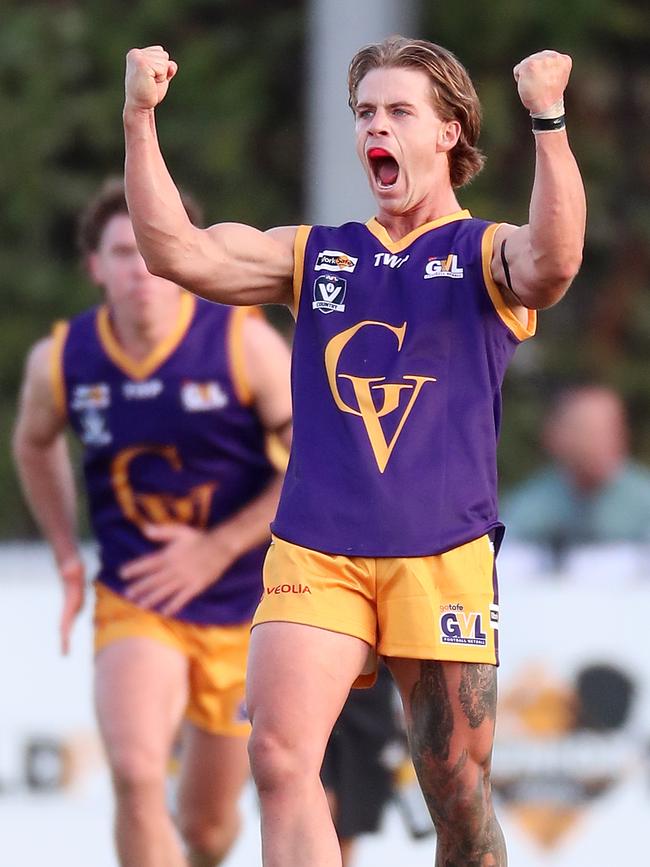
(170, 439)
(399, 354)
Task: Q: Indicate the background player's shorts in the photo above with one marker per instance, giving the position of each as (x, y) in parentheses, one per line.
(216, 657)
(357, 768)
(442, 607)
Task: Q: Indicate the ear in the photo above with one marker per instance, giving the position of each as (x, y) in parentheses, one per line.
(448, 135)
(94, 268)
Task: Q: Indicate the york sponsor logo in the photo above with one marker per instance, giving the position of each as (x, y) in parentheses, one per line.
(92, 396)
(296, 589)
(335, 260)
(443, 266)
(329, 294)
(458, 626)
(389, 260)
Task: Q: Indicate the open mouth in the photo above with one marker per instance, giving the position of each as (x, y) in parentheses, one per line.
(384, 166)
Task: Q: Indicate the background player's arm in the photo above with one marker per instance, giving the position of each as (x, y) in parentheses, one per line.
(544, 256)
(229, 262)
(43, 464)
(190, 560)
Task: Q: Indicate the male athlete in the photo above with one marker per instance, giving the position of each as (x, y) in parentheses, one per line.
(387, 526)
(173, 399)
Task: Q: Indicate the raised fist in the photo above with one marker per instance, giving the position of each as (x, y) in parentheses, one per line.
(542, 79)
(148, 73)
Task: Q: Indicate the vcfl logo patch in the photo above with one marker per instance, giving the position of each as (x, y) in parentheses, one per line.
(329, 294)
(439, 266)
(390, 260)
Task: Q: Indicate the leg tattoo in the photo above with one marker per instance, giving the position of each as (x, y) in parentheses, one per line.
(453, 774)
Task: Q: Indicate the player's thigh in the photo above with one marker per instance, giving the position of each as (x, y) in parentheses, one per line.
(450, 710)
(140, 696)
(213, 771)
(298, 680)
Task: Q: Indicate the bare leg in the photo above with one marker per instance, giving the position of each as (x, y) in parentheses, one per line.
(450, 712)
(140, 695)
(214, 769)
(299, 678)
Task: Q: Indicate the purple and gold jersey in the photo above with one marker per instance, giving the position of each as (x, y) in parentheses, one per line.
(399, 354)
(172, 438)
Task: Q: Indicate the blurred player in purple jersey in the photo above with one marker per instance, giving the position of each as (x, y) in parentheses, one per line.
(176, 402)
(387, 527)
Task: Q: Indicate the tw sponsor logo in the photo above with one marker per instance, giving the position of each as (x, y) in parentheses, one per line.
(458, 626)
(389, 260)
(297, 589)
(443, 266)
(335, 260)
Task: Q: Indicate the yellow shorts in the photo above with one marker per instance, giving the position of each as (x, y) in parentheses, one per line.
(443, 607)
(216, 658)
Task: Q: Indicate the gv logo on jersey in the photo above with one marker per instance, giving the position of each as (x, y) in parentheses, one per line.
(446, 266)
(364, 387)
(143, 507)
(335, 260)
(329, 294)
(458, 626)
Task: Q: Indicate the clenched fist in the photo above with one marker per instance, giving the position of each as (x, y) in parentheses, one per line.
(542, 79)
(148, 73)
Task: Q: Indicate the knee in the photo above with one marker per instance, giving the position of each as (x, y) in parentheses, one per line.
(458, 796)
(137, 775)
(276, 760)
(209, 837)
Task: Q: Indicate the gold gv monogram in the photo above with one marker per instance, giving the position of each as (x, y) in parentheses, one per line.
(365, 386)
(155, 508)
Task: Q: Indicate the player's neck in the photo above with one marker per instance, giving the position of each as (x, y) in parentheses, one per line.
(139, 332)
(432, 208)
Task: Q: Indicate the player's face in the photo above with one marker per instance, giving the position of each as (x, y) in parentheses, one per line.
(401, 141)
(119, 268)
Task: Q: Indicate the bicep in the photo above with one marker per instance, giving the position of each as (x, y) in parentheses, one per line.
(237, 264)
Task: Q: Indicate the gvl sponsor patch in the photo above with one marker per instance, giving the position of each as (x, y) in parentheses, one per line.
(91, 396)
(458, 626)
(335, 260)
(202, 396)
(329, 294)
(443, 266)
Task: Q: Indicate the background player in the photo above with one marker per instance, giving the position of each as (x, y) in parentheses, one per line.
(174, 400)
(385, 534)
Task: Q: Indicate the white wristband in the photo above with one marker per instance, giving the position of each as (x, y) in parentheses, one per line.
(555, 110)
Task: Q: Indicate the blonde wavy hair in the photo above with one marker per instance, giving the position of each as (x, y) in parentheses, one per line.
(454, 96)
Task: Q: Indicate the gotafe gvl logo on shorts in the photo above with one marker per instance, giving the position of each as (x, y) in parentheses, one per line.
(335, 260)
(458, 626)
(329, 294)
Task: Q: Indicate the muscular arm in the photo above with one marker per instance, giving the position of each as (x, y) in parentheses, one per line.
(228, 262)
(42, 458)
(544, 256)
(43, 463)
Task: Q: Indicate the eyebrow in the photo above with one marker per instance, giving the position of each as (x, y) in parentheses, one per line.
(400, 103)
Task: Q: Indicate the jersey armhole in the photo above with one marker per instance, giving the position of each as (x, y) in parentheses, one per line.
(505, 313)
(236, 356)
(57, 379)
(299, 247)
